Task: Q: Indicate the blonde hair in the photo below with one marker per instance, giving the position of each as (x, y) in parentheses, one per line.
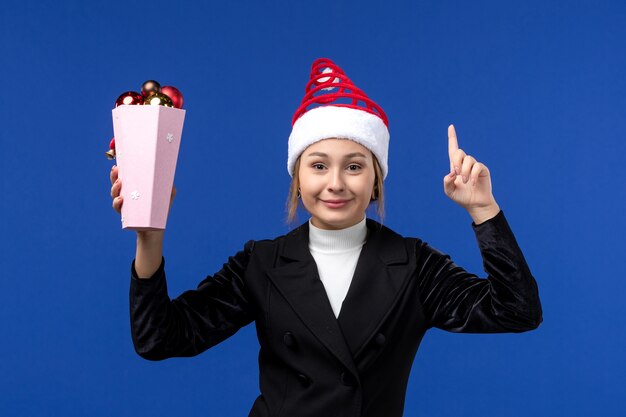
(378, 193)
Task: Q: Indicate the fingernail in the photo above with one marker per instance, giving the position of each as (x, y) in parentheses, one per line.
(464, 179)
(473, 183)
(458, 171)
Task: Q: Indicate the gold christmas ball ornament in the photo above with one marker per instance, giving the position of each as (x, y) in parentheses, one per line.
(158, 99)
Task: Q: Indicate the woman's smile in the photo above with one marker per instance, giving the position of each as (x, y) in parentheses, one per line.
(335, 203)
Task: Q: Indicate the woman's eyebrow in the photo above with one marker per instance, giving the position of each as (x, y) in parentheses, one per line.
(320, 154)
(347, 156)
(355, 155)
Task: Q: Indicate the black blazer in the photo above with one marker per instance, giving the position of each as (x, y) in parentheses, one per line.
(313, 364)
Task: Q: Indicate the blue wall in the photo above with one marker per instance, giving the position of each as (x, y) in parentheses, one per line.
(537, 92)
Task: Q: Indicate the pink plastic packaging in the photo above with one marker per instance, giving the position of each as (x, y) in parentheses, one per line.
(147, 140)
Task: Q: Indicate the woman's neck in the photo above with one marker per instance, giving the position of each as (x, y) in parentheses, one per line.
(341, 240)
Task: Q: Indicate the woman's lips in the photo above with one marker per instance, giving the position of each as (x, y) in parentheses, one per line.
(334, 204)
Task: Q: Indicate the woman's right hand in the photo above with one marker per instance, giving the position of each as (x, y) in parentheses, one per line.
(149, 242)
(116, 189)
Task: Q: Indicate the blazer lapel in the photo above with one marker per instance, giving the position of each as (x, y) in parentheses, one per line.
(381, 273)
(297, 279)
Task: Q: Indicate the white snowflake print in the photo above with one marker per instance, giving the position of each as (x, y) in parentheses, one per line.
(170, 137)
(135, 195)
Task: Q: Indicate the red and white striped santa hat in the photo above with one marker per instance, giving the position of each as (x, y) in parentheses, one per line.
(333, 107)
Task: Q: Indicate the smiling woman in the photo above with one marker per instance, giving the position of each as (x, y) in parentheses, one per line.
(340, 303)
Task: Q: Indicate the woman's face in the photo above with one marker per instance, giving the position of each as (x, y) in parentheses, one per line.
(336, 182)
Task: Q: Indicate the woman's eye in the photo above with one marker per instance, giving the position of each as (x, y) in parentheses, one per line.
(318, 166)
(354, 167)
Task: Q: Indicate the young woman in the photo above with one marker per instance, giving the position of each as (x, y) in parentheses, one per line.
(341, 303)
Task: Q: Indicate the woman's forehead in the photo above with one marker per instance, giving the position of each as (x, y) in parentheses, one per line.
(337, 147)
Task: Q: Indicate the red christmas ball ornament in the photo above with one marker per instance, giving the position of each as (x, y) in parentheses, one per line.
(112, 144)
(150, 87)
(129, 98)
(158, 99)
(175, 94)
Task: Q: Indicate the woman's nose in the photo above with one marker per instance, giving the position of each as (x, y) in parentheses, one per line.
(336, 181)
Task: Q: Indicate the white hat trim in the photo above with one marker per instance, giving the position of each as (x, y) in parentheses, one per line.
(329, 122)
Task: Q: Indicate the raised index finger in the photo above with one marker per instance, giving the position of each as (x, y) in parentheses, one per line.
(453, 143)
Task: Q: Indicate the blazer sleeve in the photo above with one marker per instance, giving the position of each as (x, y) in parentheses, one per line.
(194, 321)
(458, 301)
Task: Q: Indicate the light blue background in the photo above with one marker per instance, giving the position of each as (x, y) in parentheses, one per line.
(537, 91)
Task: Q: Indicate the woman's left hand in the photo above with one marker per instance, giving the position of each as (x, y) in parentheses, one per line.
(469, 182)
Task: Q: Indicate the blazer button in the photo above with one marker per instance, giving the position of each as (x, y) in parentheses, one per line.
(289, 340)
(347, 379)
(304, 380)
(380, 339)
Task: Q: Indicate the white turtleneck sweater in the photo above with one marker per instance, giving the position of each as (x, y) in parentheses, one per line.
(336, 253)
